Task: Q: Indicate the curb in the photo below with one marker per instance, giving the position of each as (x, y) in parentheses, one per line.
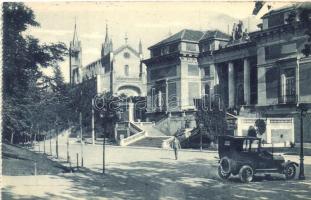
(155, 148)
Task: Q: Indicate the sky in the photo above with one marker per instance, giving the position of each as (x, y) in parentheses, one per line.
(149, 22)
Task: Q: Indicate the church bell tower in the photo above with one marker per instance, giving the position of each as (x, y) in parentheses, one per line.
(75, 59)
(107, 45)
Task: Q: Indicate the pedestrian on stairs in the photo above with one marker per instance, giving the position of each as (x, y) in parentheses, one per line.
(176, 146)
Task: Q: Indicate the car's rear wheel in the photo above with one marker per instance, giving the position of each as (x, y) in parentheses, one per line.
(290, 171)
(222, 174)
(225, 165)
(246, 174)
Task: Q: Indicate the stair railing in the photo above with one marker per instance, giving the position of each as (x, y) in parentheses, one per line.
(133, 138)
(166, 144)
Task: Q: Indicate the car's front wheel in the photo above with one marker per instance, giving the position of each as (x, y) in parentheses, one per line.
(246, 173)
(290, 171)
(222, 174)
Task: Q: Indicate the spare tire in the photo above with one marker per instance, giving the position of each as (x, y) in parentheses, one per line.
(225, 164)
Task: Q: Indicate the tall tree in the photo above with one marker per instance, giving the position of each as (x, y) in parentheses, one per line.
(23, 60)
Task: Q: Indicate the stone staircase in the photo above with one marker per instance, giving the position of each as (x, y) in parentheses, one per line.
(153, 136)
(150, 129)
(148, 141)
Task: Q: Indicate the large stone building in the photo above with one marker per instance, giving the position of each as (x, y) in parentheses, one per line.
(258, 74)
(118, 71)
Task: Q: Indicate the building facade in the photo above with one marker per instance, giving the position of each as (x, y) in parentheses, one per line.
(118, 71)
(257, 74)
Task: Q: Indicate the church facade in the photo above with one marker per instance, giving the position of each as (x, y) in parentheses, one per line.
(118, 71)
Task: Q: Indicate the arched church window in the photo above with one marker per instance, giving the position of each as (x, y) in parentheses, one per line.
(126, 70)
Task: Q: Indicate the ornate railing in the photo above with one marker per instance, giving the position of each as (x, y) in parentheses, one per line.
(287, 99)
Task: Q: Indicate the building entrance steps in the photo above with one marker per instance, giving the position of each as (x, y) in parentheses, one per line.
(150, 142)
(150, 129)
(153, 136)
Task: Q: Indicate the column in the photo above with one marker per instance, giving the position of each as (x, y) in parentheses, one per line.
(131, 111)
(214, 70)
(166, 95)
(247, 83)
(231, 84)
(213, 92)
(160, 99)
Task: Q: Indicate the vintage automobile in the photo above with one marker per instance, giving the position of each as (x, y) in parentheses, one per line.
(245, 157)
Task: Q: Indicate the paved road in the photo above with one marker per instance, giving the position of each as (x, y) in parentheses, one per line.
(134, 173)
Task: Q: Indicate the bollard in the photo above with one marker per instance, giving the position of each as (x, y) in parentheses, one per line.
(50, 145)
(68, 157)
(77, 161)
(44, 145)
(69, 164)
(35, 168)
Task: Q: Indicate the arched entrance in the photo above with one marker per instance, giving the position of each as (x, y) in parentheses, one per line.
(129, 90)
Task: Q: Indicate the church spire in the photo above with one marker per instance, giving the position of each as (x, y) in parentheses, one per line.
(107, 45)
(140, 47)
(107, 36)
(75, 34)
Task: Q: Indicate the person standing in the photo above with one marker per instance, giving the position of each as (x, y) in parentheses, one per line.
(176, 146)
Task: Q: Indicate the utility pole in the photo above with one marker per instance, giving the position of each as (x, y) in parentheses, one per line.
(104, 149)
(50, 142)
(56, 141)
(44, 142)
(68, 147)
(81, 139)
(93, 123)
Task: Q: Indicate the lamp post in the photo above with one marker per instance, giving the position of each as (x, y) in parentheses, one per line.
(104, 149)
(302, 108)
(93, 123)
(81, 139)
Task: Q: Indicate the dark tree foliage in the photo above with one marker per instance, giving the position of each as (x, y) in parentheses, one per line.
(25, 97)
(261, 126)
(213, 117)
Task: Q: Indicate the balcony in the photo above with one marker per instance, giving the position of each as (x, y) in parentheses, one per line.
(288, 99)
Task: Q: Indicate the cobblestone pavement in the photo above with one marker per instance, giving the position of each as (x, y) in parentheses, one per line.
(141, 173)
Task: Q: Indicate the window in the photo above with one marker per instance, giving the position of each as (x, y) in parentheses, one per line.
(273, 51)
(193, 92)
(251, 145)
(156, 52)
(168, 71)
(126, 70)
(207, 71)
(165, 50)
(173, 48)
(276, 20)
(126, 55)
(191, 47)
(172, 98)
(288, 86)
